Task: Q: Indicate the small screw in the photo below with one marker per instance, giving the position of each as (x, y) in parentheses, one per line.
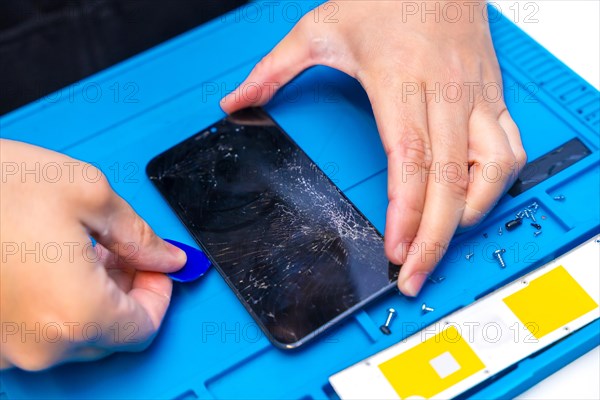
(529, 214)
(537, 233)
(385, 328)
(485, 235)
(469, 256)
(500, 231)
(560, 197)
(498, 257)
(536, 226)
(436, 280)
(426, 309)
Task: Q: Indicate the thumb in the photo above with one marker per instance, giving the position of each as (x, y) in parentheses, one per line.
(128, 238)
(290, 57)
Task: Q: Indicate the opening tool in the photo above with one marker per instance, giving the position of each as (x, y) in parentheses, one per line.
(196, 266)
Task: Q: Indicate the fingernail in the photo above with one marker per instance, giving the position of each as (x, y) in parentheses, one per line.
(177, 252)
(223, 101)
(401, 251)
(413, 285)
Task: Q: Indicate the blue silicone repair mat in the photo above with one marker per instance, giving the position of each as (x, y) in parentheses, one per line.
(209, 346)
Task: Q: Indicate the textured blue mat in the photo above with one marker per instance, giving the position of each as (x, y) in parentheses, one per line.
(209, 347)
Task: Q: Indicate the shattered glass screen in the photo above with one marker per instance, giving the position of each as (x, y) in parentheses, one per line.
(293, 248)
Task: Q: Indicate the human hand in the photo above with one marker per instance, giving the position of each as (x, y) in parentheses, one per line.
(441, 141)
(61, 298)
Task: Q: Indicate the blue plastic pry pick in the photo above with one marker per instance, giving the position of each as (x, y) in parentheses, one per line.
(197, 263)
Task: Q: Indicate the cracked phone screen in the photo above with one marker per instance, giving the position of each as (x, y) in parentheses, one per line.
(294, 249)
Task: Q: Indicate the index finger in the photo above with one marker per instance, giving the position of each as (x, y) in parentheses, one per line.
(291, 56)
(402, 125)
(129, 239)
(445, 197)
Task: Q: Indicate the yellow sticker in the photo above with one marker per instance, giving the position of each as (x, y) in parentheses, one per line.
(433, 366)
(550, 302)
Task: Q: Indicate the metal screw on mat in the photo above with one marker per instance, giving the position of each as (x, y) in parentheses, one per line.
(385, 328)
(436, 280)
(426, 309)
(498, 257)
(537, 233)
(560, 197)
(532, 216)
(529, 214)
(469, 256)
(500, 231)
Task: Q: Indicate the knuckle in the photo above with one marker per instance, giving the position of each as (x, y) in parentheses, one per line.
(413, 147)
(521, 157)
(264, 65)
(266, 62)
(507, 161)
(454, 70)
(95, 189)
(142, 231)
(318, 50)
(456, 178)
(313, 36)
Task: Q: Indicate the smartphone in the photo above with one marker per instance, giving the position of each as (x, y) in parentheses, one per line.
(296, 252)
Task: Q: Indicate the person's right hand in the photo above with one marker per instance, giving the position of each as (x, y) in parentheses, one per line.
(439, 140)
(62, 299)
